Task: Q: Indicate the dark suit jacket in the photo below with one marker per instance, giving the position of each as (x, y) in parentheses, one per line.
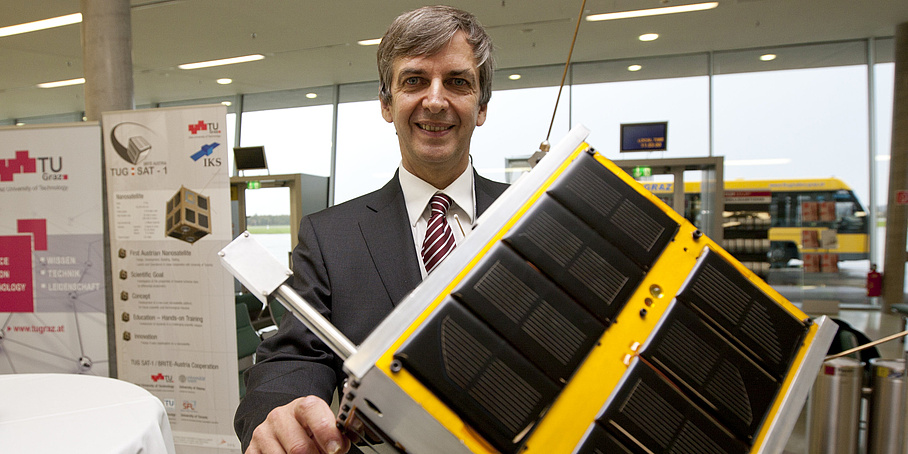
(354, 262)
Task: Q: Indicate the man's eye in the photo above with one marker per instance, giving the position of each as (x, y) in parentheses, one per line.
(412, 81)
(459, 82)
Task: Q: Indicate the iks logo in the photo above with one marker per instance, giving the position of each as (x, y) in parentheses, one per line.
(205, 153)
(49, 167)
(210, 128)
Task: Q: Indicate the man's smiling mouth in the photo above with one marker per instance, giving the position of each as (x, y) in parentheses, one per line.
(432, 128)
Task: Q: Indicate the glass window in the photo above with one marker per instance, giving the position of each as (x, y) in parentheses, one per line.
(367, 150)
(296, 140)
(606, 95)
(884, 91)
(804, 123)
(48, 119)
(517, 122)
(295, 127)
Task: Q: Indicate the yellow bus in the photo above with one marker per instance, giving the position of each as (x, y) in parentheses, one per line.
(776, 221)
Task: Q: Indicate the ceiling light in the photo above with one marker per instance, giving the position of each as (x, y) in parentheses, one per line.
(74, 18)
(634, 68)
(648, 37)
(227, 103)
(225, 61)
(369, 42)
(514, 77)
(311, 95)
(62, 83)
(652, 11)
(225, 81)
(767, 57)
(19, 123)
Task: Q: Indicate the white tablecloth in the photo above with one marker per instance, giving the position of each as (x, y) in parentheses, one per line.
(63, 413)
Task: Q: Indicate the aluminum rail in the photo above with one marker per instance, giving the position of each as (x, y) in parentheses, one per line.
(265, 277)
(328, 333)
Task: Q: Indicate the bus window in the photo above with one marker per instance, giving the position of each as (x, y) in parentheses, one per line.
(850, 216)
(692, 209)
(809, 210)
(785, 209)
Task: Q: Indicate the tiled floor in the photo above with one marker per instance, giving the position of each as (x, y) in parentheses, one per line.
(875, 325)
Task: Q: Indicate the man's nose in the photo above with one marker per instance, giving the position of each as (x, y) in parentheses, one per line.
(435, 100)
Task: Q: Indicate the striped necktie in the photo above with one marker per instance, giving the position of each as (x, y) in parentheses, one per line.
(439, 240)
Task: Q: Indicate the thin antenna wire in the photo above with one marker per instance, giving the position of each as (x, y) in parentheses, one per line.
(567, 64)
(867, 345)
(458, 224)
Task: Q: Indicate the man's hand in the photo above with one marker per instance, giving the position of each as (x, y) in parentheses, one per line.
(304, 426)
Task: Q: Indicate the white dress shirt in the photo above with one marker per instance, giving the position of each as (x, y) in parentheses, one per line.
(418, 193)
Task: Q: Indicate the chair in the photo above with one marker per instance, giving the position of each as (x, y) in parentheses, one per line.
(277, 311)
(246, 343)
(253, 304)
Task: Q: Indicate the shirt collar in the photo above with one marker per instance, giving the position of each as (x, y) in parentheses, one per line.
(417, 193)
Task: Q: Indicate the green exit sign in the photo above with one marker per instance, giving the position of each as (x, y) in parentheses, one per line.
(643, 171)
(253, 185)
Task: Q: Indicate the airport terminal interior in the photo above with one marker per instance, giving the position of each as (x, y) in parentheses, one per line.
(774, 120)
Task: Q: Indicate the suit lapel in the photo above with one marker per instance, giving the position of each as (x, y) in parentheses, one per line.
(386, 230)
(388, 236)
(487, 191)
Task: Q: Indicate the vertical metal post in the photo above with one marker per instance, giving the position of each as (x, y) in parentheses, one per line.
(332, 174)
(872, 239)
(238, 129)
(678, 189)
(897, 214)
(711, 65)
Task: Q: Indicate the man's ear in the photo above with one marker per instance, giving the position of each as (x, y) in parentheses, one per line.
(386, 112)
(481, 117)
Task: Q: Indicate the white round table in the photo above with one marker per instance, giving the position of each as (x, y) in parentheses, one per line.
(53, 413)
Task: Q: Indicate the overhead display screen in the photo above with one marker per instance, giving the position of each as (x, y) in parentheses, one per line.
(644, 136)
(249, 158)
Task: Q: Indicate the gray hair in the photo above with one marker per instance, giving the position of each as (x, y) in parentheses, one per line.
(426, 31)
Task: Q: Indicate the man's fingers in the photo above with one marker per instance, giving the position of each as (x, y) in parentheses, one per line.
(314, 414)
(264, 441)
(282, 432)
(292, 434)
(304, 426)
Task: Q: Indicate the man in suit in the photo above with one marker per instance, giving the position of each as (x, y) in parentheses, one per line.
(357, 260)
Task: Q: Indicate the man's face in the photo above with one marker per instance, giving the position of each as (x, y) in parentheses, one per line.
(434, 108)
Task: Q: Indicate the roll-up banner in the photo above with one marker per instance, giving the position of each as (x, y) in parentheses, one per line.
(53, 317)
(168, 194)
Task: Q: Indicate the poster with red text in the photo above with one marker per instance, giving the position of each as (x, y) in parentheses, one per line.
(168, 199)
(53, 316)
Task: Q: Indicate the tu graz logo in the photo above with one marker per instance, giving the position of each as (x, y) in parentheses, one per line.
(23, 163)
(211, 128)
